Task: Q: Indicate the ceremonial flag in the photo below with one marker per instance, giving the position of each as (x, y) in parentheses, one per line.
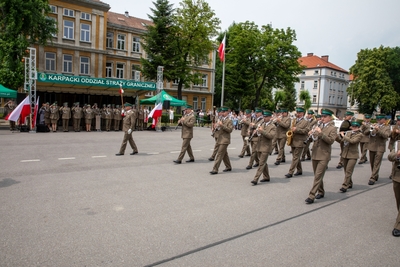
(156, 111)
(23, 110)
(35, 113)
(221, 49)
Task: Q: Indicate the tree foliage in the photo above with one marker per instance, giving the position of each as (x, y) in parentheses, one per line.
(376, 81)
(305, 96)
(22, 23)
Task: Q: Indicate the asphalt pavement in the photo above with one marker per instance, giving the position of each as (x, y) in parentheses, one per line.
(67, 200)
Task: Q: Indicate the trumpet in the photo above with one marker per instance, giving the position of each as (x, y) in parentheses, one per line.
(276, 119)
(255, 132)
(311, 135)
(178, 124)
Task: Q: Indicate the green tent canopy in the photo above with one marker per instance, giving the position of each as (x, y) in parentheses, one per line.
(7, 93)
(164, 96)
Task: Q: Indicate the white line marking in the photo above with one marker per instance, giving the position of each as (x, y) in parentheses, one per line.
(66, 158)
(172, 152)
(30, 160)
(153, 153)
(95, 157)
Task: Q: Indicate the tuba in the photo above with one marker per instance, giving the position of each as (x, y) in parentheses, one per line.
(289, 134)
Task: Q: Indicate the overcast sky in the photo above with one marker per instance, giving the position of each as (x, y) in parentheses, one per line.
(336, 28)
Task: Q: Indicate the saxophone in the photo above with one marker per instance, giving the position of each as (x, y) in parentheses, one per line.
(289, 134)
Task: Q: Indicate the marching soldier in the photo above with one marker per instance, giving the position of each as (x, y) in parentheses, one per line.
(117, 118)
(77, 114)
(65, 116)
(187, 121)
(108, 117)
(323, 137)
(394, 137)
(253, 138)
(377, 146)
(299, 128)
(245, 122)
(266, 133)
(282, 126)
(394, 156)
(365, 130)
(344, 127)
(9, 107)
(215, 133)
(312, 121)
(350, 154)
(278, 114)
(127, 128)
(224, 139)
(54, 116)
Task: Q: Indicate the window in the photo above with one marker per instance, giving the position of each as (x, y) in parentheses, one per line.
(50, 61)
(315, 72)
(315, 84)
(136, 44)
(204, 80)
(110, 40)
(303, 73)
(195, 105)
(121, 41)
(329, 99)
(136, 72)
(330, 85)
(302, 85)
(109, 70)
(314, 98)
(68, 29)
(67, 63)
(85, 63)
(85, 16)
(203, 103)
(175, 81)
(120, 71)
(53, 9)
(85, 32)
(69, 12)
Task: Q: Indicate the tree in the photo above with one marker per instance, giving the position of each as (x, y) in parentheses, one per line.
(289, 101)
(305, 96)
(22, 23)
(376, 80)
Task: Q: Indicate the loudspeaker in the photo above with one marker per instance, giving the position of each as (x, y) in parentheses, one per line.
(166, 104)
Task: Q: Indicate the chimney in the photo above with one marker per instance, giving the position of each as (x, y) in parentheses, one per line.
(127, 14)
(310, 54)
(326, 58)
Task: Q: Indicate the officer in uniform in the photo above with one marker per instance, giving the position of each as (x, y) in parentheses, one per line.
(350, 154)
(254, 138)
(377, 146)
(108, 117)
(127, 126)
(140, 119)
(300, 132)
(323, 137)
(266, 133)
(344, 127)
(244, 132)
(117, 117)
(282, 126)
(103, 112)
(54, 116)
(225, 126)
(394, 156)
(65, 116)
(89, 114)
(187, 121)
(312, 121)
(215, 134)
(77, 114)
(278, 114)
(365, 130)
(97, 115)
(135, 115)
(394, 137)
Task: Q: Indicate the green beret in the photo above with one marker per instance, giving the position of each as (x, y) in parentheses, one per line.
(247, 111)
(224, 108)
(367, 116)
(267, 113)
(310, 111)
(356, 123)
(128, 104)
(380, 116)
(349, 113)
(257, 110)
(278, 111)
(284, 110)
(326, 112)
(398, 118)
(188, 106)
(300, 109)
(318, 116)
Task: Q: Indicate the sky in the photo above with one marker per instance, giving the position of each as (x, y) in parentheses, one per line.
(339, 29)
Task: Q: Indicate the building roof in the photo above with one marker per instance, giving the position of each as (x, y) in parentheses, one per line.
(125, 20)
(311, 61)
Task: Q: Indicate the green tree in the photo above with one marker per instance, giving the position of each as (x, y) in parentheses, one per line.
(376, 80)
(305, 96)
(22, 23)
(289, 101)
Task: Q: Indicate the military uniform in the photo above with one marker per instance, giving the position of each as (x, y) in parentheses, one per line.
(187, 121)
(77, 114)
(394, 156)
(350, 154)
(108, 117)
(215, 135)
(394, 137)
(127, 126)
(244, 132)
(306, 151)
(365, 130)
(140, 119)
(89, 114)
(47, 120)
(264, 147)
(65, 116)
(254, 138)
(321, 154)
(224, 139)
(117, 118)
(282, 126)
(54, 116)
(9, 107)
(344, 127)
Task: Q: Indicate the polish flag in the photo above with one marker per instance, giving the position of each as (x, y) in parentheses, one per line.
(156, 111)
(35, 113)
(121, 91)
(221, 49)
(23, 110)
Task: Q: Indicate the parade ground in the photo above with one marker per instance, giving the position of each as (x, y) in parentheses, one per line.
(67, 200)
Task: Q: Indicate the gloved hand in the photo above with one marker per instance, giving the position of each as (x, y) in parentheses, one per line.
(129, 131)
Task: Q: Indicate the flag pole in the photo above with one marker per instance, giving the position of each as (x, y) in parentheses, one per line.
(223, 82)
(122, 97)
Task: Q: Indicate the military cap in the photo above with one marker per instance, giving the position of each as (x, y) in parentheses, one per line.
(218, 109)
(380, 116)
(367, 116)
(247, 111)
(224, 108)
(128, 104)
(65, 103)
(278, 111)
(398, 117)
(356, 123)
(109, 106)
(188, 106)
(310, 111)
(318, 116)
(326, 112)
(349, 113)
(284, 110)
(300, 109)
(267, 113)
(258, 110)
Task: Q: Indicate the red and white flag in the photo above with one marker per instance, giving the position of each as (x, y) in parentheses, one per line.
(156, 111)
(221, 49)
(23, 110)
(35, 113)
(121, 91)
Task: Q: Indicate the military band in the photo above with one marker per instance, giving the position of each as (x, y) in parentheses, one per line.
(312, 121)
(282, 126)
(365, 130)
(245, 133)
(187, 121)
(344, 127)
(253, 138)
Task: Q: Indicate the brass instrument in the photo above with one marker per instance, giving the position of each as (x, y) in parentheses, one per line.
(255, 131)
(311, 135)
(215, 128)
(276, 118)
(289, 134)
(178, 124)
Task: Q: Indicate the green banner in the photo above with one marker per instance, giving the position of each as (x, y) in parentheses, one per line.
(90, 81)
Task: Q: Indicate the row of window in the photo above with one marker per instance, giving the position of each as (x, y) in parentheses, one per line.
(331, 100)
(70, 13)
(333, 73)
(68, 32)
(196, 103)
(331, 85)
(121, 42)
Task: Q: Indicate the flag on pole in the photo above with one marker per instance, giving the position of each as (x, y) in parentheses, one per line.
(221, 49)
(156, 111)
(23, 110)
(121, 91)
(35, 113)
